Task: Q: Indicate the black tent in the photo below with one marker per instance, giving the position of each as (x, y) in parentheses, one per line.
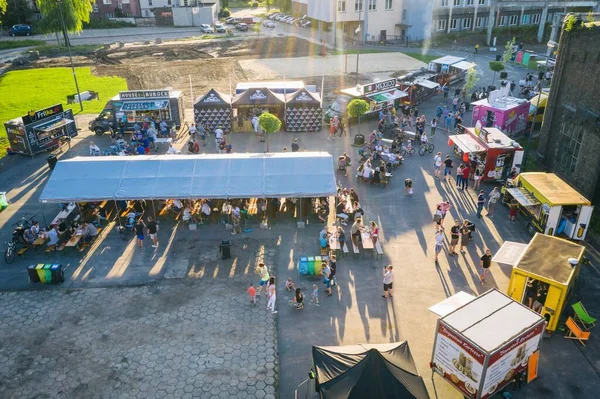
(303, 112)
(213, 109)
(257, 97)
(367, 371)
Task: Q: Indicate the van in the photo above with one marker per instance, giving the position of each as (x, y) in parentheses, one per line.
(539, 114)
(248, 20)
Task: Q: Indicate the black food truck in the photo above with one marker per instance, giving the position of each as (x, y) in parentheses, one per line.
(40, 131)
(131, 107)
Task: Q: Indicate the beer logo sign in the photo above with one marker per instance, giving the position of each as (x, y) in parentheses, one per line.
(304, 97)
(258, 95)
(212, 99)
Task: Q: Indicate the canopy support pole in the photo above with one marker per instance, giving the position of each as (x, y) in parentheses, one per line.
(43, 216)
(153, 210)
(433, 383)
(299, 210)
(80, 214)
(118, 213)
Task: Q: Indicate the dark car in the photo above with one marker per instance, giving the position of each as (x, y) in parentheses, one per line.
(20, 30)
(241, 26)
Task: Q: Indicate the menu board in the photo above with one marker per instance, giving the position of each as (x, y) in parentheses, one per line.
(458, 361)
(509, 360)
(16, 138)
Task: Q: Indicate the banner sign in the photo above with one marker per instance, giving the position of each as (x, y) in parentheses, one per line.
(33, 116)
(379, 86)
(125, 95)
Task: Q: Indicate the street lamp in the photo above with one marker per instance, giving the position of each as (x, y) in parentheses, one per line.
(68, 43)
(357, 31)
(551, 44)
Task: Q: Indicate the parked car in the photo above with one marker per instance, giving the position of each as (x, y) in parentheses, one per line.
(248, 20)
(206, 28)
(275, 15)
(268, 24)
(233, 20)
(300, 21)
(306, 24)
(242, 27)
(281, 17)
(220, 28)
(20, 30)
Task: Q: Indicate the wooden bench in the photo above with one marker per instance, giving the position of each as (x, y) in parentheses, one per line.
(22, 251)
(126, 212)
(50, 249)
(379, 250)
(575, 332)
(345, 249)
(355, 249)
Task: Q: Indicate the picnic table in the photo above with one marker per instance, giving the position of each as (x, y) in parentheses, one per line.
(334, 243)
(74, 240)
(64, 214)
(367, 242)
(41, 240)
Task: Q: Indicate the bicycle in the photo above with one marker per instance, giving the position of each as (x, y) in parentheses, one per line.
(407, 150)
(427, 147)
(9, 254)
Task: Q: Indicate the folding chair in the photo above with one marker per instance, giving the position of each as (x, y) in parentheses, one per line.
(583, 316)
(575, 332)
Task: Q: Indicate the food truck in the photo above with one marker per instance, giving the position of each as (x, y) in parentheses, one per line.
(379, 95)
(131, 107)
(537, 107)
(419, 85)
(40, 131)
(483, 345)
(490, 149)
(501, 111)
(550, 204)
(450, 69)
(547, 265)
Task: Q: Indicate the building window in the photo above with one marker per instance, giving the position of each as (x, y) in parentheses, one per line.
(526, 19)
(372, 5)
(502, 21)
(481, 2)
(444, 3)
(469, 2)
(95, 7)
(454, 24)
(466, 23)
(456, 3)
(358, 5)
(513, 20)
(535, 19)
(478, 23)
(441, 25)
(106, 1)
(388, 4)
(125, 2)
(404, 14)
(342, 5)
(569, 145)
(168, 2)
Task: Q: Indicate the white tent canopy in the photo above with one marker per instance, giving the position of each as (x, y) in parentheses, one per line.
(298, 174)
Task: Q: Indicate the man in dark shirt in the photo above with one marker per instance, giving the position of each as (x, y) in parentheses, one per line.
(448, 165)
(480, 203)
(454, 236)
(152, 231)
(340, 212)
(485, 263)
(295, 146)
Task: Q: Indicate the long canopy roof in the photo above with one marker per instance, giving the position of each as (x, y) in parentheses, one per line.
(298, 174)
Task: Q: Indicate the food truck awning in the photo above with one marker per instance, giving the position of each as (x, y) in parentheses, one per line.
(452, 303)
(448, 60)
(523, 197)
(387, 96)
(548, 257)
(54, 125)
(509, 253)
(492, 319)
(554, 189)
(464, 65)
(467, 143)
(427, 83)
(298, 174)
(144, 105)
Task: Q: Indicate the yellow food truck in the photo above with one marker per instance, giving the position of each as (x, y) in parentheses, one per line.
(543, 274)
(551, 205)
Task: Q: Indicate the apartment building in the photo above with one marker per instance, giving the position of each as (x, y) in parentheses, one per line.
(148, 6)
(108, 8)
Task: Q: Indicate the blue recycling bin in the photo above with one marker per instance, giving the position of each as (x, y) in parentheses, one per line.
(303, 266)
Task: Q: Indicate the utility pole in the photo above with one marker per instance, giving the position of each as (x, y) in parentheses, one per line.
(68, 43)
(358, 31)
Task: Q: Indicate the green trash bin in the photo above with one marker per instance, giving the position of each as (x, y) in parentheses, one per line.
(311, 265)
(3, 201)
(48, 273)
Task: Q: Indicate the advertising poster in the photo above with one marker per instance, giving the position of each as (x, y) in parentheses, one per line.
(458, 361)
(509, 360)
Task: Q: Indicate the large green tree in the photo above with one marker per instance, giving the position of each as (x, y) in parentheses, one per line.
(16, 12)
(357, 108)
(75, 13)
(270, 124)
(2, 10)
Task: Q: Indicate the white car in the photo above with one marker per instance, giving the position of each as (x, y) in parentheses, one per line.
(281, 17)
(268, 24)
(273, 16)
(206, 28)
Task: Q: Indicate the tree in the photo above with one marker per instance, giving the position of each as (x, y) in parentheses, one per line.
(471, 79)
(256, 28)
(17, 12)
(269, 123)
(75, 13)
(508, 51)
(2, 10)
(496, 66)
(357, 108)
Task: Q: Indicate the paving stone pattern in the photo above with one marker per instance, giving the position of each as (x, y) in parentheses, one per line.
(193, 338)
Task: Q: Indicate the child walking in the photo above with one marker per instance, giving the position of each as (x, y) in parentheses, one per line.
(252, 294)
(314, 297)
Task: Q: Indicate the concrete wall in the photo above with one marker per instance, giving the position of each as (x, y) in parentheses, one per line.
(125, 19)
(574, 110)
(194, 16)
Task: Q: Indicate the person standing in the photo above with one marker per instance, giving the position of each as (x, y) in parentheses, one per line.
(476, 48)
(439, 241)
(477, 178)
(388, 281)
(295, 146)
(433, 125)
(454, 236)
(480, 203)
(454, 103)
(252, 294)
(437, 164)
(264, 277)
(485, 263)
(333, 268)
(444, 207)
(494, 197)
(448, 165)
(466, 172)
(459, 176)
(326, 277)
(139, 232)
(464, 235)
(272, 293)
(355, 230)
(513, 210)
(193, 131)
(202, 132)
(152, 231)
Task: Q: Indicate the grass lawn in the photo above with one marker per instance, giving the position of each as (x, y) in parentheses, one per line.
(10, 44)
(34, 89)
(422, 57)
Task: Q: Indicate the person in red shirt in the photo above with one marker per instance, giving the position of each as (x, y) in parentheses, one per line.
(252, 294)
(465, 180)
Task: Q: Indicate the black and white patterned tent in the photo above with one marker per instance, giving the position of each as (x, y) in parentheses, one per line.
(213, 109)
(303, 112)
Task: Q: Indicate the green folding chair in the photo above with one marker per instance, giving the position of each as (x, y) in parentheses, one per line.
(583, 316)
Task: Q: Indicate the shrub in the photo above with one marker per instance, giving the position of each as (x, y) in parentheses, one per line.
(254, 4)
(224, 13)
